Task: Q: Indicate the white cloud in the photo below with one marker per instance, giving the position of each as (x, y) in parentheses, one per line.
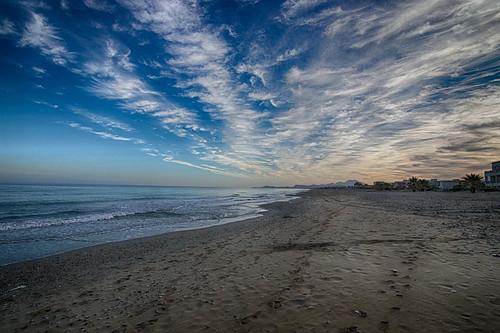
(50, 105)
(119, 53)
(100, 5)
(263, 96)
(64, 4)
(35, 4)
(202, 54)
(112, 77)
(378, 92)
(39, 71)
(7, 27)
(257, 70)
(204, 167)
(293, 8)
(38, 33)
(289, 54)
(377, 112)
(101, 134)
(154, 152)
(105, 122)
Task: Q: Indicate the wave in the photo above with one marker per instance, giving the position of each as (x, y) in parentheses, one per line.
(40, 215)
(37, 203)
(89, 218)
(195, 207)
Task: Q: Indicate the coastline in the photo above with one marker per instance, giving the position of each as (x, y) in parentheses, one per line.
(108, 251)
(64, 220)
(327, 261)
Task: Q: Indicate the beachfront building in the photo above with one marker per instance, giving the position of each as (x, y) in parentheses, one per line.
(401, 185)
(434, 183)
(382, 186)
(492, 177)
(444, 185)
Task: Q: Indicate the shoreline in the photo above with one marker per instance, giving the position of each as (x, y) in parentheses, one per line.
(145, 238)
(115, 245)
(259, 210)
(329, 261)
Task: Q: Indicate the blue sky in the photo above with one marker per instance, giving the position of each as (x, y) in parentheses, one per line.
(247, 92)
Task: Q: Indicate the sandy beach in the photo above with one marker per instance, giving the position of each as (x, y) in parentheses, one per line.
(331, 261)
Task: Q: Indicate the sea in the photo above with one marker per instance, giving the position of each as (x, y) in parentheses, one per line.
(42, 220)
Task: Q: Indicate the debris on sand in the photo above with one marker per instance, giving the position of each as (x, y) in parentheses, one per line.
(360, 313)
(351, 329)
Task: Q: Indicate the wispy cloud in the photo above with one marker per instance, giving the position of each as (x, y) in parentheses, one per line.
(119, 54)
(153, 152)
(294, 8)
(39, 71)
(64, 4)
(105, 122)
(104, 135)
(289, 54)
(100, 5)
(318, 92)
(199, 52)
(7, 27)
(350, 115)
(35, 4)
(38, 33)
(44, 103)
(204, 167)
(112, 77)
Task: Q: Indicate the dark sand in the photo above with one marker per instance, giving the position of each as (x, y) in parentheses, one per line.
(332, 261)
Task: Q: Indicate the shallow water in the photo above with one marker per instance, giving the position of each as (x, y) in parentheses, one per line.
(37, 221)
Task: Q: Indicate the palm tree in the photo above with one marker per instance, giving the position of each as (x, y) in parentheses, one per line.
(423, 185)
(413, 183)
(473, 181)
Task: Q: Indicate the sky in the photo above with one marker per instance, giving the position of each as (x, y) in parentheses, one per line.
(249, 92)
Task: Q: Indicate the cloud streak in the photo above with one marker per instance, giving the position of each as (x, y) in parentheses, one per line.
(38, 33)
(99, 5)
(101, 134)
(7, 27)
(105, 122)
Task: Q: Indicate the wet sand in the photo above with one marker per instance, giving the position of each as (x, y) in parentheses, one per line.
(332, 261)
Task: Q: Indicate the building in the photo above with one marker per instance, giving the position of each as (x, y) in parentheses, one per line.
(401, 185)
(382, 186)
(444, 185)
(492, 177)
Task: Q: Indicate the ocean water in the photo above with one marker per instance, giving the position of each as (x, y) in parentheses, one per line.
(37, 221)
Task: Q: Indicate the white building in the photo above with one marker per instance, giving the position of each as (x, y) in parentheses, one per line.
(444, 185)
(447, 185)
(492, 177)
